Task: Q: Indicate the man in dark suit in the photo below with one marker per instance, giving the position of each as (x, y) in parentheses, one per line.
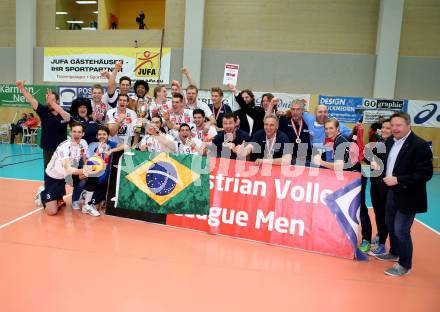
(408, 166)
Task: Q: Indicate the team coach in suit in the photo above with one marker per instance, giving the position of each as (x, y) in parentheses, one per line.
(408, 166)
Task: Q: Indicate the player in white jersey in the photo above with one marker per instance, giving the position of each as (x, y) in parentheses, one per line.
(156, 140)
(202, 130)
(185, 144)
(121, 121)
(64, 164)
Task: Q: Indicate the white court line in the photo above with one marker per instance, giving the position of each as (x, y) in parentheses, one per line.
(19, 218)
(428, 227)
(21, 179)
(425, 225)
(27, 214)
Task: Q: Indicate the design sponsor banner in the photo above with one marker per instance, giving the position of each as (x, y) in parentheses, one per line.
(10, 95)
(85, 64)
(345, 109)
(163, 183)
(310, 211)
(375, 108)
(424, 113)
(285, 99)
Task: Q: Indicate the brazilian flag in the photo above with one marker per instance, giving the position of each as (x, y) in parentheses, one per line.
(163, 183)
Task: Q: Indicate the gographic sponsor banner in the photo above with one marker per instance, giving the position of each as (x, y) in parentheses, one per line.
(372, 116)
(424, 113)
(375, 108)
(345, 109)
(310, 211)
(85, 64)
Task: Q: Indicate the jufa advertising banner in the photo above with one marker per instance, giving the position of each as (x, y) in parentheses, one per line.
(85, 64)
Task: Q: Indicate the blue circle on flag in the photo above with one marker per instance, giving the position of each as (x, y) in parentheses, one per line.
(161, 178)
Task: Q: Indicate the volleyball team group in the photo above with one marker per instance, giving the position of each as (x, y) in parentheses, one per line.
(399, 162)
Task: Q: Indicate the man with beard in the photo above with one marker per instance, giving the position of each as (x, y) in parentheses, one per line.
(250, 116)
(63, 163)
(229, 141)
(192, 103)
(202, 130)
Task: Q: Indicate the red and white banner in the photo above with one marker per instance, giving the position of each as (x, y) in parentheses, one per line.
(307, 208)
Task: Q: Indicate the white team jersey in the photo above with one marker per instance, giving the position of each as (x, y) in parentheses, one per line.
(152, 144)
(185, 116)
(161, 107)
(202, 134)
(185, 149)
(203, 106)
(66, 150)
(126, 130)
(112, 101)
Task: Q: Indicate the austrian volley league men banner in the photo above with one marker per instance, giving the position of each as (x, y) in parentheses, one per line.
(85, 64)
(308, 208)
(345, 109)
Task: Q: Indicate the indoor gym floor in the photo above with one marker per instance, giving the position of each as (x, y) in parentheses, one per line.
(74, 262)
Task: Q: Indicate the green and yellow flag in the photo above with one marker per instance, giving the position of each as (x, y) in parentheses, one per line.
(163, 183)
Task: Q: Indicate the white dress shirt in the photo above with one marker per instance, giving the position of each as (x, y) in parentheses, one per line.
(392, 157)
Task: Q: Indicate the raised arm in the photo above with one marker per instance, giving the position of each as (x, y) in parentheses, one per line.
(28, 96)
(52, 102)
(187, 75)
(111, 87)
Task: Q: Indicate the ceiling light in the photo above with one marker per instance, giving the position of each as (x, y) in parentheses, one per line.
(61, 13)
(75, 22)
(95, 12)
(86, 2)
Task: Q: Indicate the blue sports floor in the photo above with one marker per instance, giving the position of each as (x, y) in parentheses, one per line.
(25, 162)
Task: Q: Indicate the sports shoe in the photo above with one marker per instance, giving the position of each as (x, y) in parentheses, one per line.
(374, 242)
(91, 210)
(364, 246)
(397, 270)
(387, 257)
(377, 250)
(75, 205)
(38, 200)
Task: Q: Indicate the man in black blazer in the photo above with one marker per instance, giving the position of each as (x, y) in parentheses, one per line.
(408, 166)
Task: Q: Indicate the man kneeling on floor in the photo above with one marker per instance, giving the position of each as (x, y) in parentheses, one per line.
(63, 166)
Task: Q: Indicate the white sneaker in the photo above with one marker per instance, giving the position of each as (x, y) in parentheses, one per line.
(38, 201)
(91, 210)
(75, 205)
